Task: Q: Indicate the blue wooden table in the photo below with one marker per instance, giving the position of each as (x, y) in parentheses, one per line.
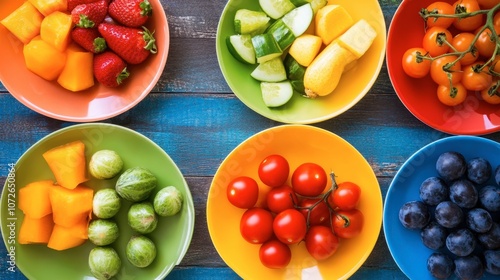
(193, 99)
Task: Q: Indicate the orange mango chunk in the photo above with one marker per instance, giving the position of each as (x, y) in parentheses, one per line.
(34, 199)
(43, 59)
(55, 30)
(78, 73)
(68, 164)
(71, 207)
(24, 22)
(331, 21)
(47, 7)
(63, 238)
(35, 230)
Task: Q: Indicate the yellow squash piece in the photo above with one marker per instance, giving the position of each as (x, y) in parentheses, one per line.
(24, 22)
(305, 48)
(34, 199)
(36, 230)
(67, 163)
(331, 21)
(358, 38)
(55, 30)
(43, 59)
(71, 207)
(78, 73)
(63, 238)
(47, 7)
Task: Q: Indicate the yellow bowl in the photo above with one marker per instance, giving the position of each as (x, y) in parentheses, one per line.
(298, 144)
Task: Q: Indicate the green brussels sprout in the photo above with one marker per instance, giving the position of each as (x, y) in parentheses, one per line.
(140, 251)
(103, 232)
(104, 262)
(105, 164)
(106, 203)
(142, 217)
(168, 201)
(136, 184)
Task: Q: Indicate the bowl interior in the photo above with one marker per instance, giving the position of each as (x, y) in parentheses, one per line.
(96, 103)
(473, 117)
(172, 236)
(315, 145)
(353, 86)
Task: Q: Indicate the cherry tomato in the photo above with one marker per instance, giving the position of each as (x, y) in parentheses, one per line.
(345, 196)
(414, 65)
(348, 223)
(485, 44)
(256, 225)
(281, 198)
(491, 94)
(475, 79)
(461, 43)
(435, 40)
(488, 4)
(274, 254)
(243, 192)
(451, 97)
(321, 242)
(290, 226)
(309, 179)
(469, 23)
(273, 170)
(443, 71)
(496, 20)
(441, 8)
(318, 213)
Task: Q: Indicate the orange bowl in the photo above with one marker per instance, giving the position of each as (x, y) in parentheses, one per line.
(96, 103)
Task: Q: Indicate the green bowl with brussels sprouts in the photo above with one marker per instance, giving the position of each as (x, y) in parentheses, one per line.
(171, 235)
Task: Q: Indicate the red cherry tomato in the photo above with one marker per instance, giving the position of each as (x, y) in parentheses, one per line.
(321, 242)
(467, 23)
(243, 192)
(318, 213)
(491, 94)
(485, 44)
(275, 254)
(461, 43)
(444, 66)
(290, 226)
(309, 179)
(452, 97)
(441, 8)
(488, 4)
(273, 171)
(347, 223)
(414, 65)
(345, 196)
(281, 198)
(436, 40)
(256, 225)
(475, 79)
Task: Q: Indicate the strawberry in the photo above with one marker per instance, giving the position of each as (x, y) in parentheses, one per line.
(131, 13)
(132, 44)
(71, 4)
(89, 15)
(88, 38)
(109, 69)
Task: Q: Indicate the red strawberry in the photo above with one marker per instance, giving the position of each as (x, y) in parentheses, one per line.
(89, 15)
(132, 13)
(109, 69)
(71, 4)
(132, 44)
(88, 38)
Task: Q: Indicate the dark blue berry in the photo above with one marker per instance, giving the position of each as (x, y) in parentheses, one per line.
(464, 193)
(478, 220)
(492, 261)
(478, 170)
(489, 198)
(490, 239)
(433, 235)
(451, 166)
(414, 215)
(433, 190)
(469, 267)
(440, 265)
(461, 242)
(448, 214)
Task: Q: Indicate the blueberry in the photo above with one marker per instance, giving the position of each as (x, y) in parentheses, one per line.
(433, 190)
(433, 235)
(448, 214)
(469, 267)
(464, 193)
(451, 166)
(414, 215)
(489, 197)
(497, 175)
(492, 261)
(440, 265)
(478, 170)
(490, 239)
(461, 242)
(478, 220)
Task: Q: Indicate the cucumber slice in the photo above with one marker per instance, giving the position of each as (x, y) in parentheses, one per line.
(276, 94)
(282, 34)
(250, 22)
(298, 86)
(299, 19)
(266, 47)
(294, 71)
(276, 8)
(318, 4)
(270, 71)
(298, 3)
(240, 46)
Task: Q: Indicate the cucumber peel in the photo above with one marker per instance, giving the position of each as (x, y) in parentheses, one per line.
(240, 46)
(276, 8)
(282, 34)
(270, 71)
(266, 47)
(250, 22)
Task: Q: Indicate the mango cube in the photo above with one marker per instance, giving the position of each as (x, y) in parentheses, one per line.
(78, 73)
(55, 30)
(43, 59)
(47, 7)
(24, 22)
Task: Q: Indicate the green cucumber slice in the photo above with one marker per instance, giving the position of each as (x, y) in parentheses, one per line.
(298, 3)
(276, 8)
(250, 22)
(266, 47)
(270, 71)
(294, 71)
(298, 86)
(240, 46)
(318, 4)
(299, 19)
(276, 94)
(282, 34)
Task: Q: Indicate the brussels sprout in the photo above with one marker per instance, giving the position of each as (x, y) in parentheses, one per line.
(103, 232)
(106, 203)
(104, 262)
(168, 201)
(105, 164)
(136, 184)
(142, 217)
(140, 251)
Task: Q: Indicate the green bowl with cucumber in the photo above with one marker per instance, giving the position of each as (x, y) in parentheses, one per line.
(253, 42)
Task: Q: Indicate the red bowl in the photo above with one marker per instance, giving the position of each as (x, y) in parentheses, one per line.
(473, 117)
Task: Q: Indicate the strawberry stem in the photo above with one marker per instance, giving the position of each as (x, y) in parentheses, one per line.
(146, 9)
(124, 74)
(85, 22)
(150, 40)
